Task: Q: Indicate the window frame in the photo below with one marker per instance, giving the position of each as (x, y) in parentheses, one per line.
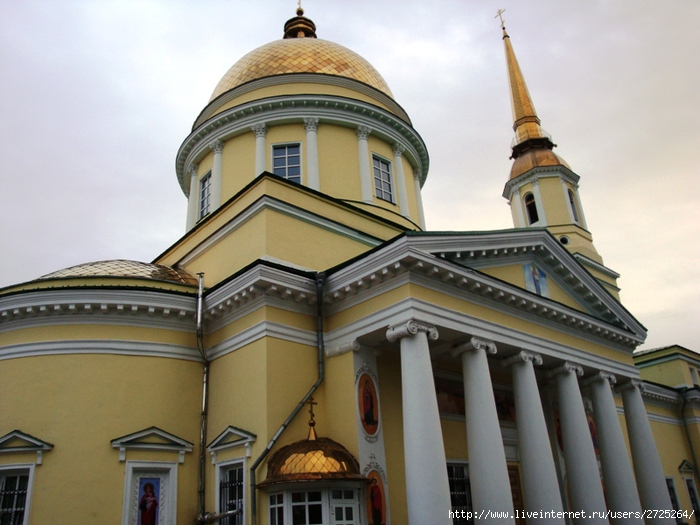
(286, 166)
(204, 199)
(575, 213)
(225, 467)
(21, 469)
(675, 502)
(531, 205)
(693, 494)
(327, 510)
(166, 471)
(379, 191)
(469, 507)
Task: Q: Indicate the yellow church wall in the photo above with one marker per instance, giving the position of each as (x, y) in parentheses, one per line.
(305, 88)
(63, 401)
(341, 404)
(77, 332)
(674, 373)
(389, 372)
(409, 180)
(454, 435)
(205, 165)
(363, 309)
(552, 192)
(339, 165)
(238, 164)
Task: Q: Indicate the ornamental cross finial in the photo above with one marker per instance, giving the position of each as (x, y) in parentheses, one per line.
(312, 423)
(499, 14)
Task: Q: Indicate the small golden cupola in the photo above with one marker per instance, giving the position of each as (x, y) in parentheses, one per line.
(542, 189)
(312, 459)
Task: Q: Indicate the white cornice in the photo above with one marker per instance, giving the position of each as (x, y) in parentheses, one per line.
(150, 309)
(540, 172)
(268, 203)
(596, 266)
(294, 108)
(259, 331)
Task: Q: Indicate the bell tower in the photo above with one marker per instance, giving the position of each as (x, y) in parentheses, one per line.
(542, 189)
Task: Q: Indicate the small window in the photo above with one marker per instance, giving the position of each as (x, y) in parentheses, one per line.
(693, 493)
(13, 496)
(574, 210)
(231, 493)
(460, 493)
(674, 499)
(204, 195)
(338, 506)
(277, 509)
(531, 208)
(286, 162)
(382, 179)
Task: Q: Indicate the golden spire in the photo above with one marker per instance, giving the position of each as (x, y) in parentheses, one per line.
(299, 26)
(526, 124)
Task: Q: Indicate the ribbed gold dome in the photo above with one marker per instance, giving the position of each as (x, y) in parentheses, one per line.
(311, 460)
(301, 55)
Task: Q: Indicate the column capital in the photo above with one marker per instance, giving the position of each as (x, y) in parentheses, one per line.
(193, 169)
(475, 344)
(631, 384)
(417, 173)
(216, 146)
(602, 375)
(398, 149)
(352, 346)
(410, 329)
(567, 368)
(311, 123)
(522, 357)
(259, 129)
(363, 132)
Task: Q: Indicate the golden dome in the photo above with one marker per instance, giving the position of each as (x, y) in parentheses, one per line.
(301, 55)
(312, 460)
(534, 158)
(123, 268)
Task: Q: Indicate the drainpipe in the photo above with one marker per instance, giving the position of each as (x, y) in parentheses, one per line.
(683, 391)
(320, 281)
(205, 402)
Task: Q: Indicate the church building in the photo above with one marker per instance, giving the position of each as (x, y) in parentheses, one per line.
(308, 353)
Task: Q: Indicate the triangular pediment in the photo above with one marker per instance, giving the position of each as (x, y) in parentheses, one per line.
(686, 467)
(231, 437)
(152, 438)
(17, 442)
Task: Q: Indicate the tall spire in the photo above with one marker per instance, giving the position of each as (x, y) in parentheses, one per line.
(526, 124)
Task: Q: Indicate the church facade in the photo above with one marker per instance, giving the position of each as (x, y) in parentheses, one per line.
(307, 353)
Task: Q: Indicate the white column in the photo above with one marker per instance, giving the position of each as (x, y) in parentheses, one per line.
(620, 487)
(488, 472)
(540, 485)
(365, 168)
(312, 175)
(216, 173)
(193, 200)
(427, 487)
(400, 181)
(582, 473)
(517, 209)
(540, 205)
(419, 198)
(651, 481)
(260, 131)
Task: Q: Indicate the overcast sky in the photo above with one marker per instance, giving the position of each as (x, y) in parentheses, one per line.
(97, 96)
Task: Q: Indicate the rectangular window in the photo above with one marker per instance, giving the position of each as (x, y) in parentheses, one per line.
(460, 493)
(693, 493)
(277, 509)
(674, 498)
(382, 179)
(231, 493)
(204, 195)
(13, 496)
(286, 162)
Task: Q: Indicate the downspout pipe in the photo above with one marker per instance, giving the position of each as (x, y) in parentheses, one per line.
(320, 282)
(205, 403)
(684, 391)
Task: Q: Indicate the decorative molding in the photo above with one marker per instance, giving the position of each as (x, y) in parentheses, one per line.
(231, 437)
(522, 357)
(600, 376)
(260, 130)
(409, 329)
(532, 176)
(311, 124)
(352, 346)
(259, 331)
(29, 444)
(632, 384)
(216, 146)
(363, 132)
(398, 149)
(567, 368)
(585, 261)
(142, 440)
(489, 347)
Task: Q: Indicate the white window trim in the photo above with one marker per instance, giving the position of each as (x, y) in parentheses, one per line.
(225, 465)
(325, 489)
(301, 158)
(392, 178)
(201, 216)
(17, 468)
(168, 511)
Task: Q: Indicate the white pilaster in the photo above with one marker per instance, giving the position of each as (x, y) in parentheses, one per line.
(365, 168)
(488, 472)
(540, 205)
(540, 485)
(517, 210)
(651, 481)
(427, 488)
(419, 198)
(582, 215)
(260, 131)
(585, 488)
(216, 173)
(312, 174)
(620, 487)
(193, 200)
(400, 180)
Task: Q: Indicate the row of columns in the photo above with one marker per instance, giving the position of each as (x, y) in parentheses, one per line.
(312, 170)
(426, 479)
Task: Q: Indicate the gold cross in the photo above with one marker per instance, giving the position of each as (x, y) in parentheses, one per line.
(311, 401)
(499, 14)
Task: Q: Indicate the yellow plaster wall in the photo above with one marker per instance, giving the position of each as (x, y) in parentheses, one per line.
(552, 195)
(64, 400)
(338, 160)
(238, 165)
(454, 435)
(672, 373)
(341, 411)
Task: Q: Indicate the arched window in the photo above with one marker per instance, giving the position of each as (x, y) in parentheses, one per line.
(531, 208)
(572, 201)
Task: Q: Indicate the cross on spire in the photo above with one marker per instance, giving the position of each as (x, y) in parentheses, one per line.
(499, 14)
(312, 423)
